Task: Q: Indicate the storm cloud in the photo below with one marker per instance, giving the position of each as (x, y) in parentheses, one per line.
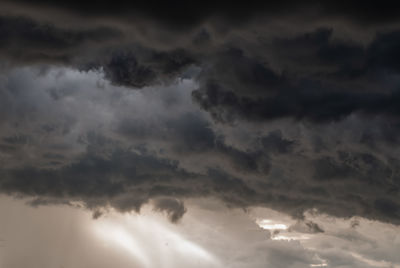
(255, 105)
(200, 134)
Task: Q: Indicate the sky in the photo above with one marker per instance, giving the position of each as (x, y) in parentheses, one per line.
(199, 134)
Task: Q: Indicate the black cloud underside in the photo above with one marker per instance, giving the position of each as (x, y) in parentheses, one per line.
(314, 64)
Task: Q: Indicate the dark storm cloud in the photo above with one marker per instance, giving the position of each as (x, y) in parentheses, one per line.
(152, 150)
(274, 142)
(344, 186)
(123, 68)
(191, 134)
(323, 80)
(25, 40)
(123, 180)
(97, 181)
(173, 207)
(309, 75)
(252, 65)
(182, 13)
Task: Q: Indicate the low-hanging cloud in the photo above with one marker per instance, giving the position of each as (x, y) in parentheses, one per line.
(246, 109)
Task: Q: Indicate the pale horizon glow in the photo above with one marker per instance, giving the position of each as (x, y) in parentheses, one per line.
(143, 236)
(270, 225)
(201, 239)
(374, 263)
(116, 236)
(288, 237)
(319, 265)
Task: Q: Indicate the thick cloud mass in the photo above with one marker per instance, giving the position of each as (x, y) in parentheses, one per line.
(105, 145)
(284, 105)
(339, 79)
(179, 12)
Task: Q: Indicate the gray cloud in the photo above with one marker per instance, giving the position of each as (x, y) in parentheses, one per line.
(28, 41)
(291, 118)
(242, 108)
(105, 145)
(340, 78)
(174, 208)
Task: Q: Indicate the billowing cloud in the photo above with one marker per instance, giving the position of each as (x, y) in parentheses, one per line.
(251, 104)
(174, 208)
(276, 122)
(109, 146)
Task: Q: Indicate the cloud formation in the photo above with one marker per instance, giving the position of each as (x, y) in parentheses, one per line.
(254, 105)
(105, 145)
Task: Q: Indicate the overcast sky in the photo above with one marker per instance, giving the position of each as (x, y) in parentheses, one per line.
(199, 134)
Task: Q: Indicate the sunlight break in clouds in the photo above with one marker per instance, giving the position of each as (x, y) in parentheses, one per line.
(270, 225)
(145, 236)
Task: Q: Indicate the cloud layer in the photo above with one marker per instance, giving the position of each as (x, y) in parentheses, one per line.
(254, 106)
